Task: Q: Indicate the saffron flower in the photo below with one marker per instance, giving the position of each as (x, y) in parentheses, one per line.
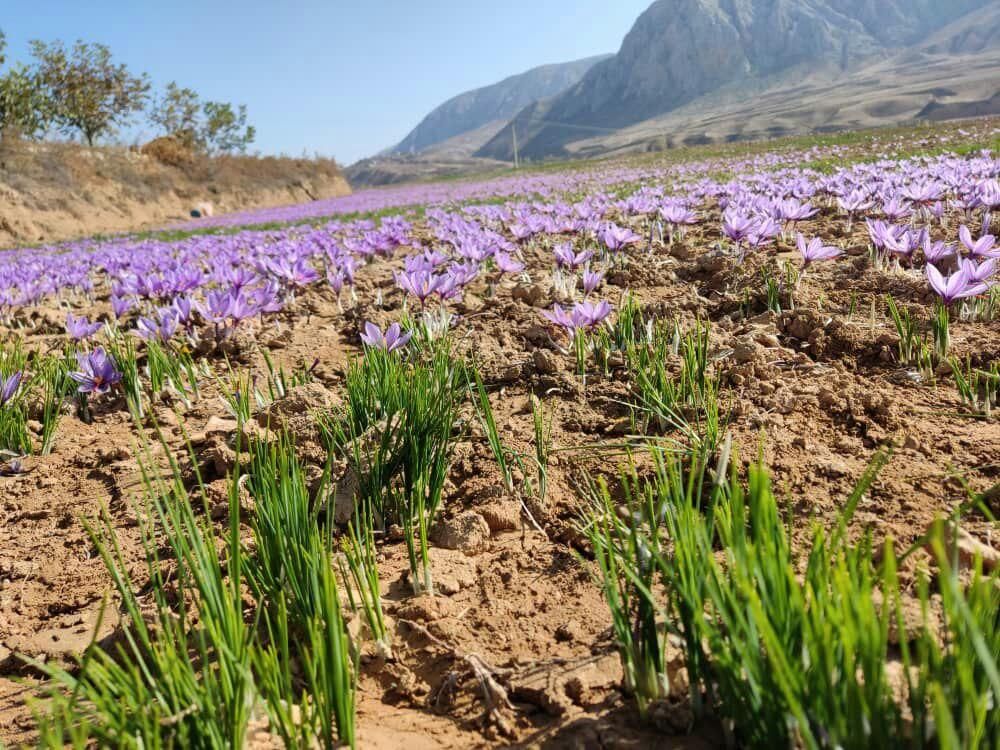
(566, 258)
(814, 250)
(591, 314)
(979, 272)
(592, 280)
(420, 284)
(161, 329)
(677, 214)
(738, 227)
(9, 386)
(615, 237)
(560, 317)
(81, 328)
(982, 247)
(954, 287)
(936, 252)
(97, 373)
(390, 341)
(506, 263)
(583, 315)
(121, 305)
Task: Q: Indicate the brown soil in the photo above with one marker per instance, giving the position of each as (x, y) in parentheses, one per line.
(818, 388)
(58, 191)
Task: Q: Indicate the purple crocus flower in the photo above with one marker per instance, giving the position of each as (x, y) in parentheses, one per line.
(855, 202)
(507, 263)
(121, 305)
(978, 273)
(97, 373)
(590, 314)
(924, 193)
(677, 214)
(936, 252)
(905, 243)
(896, 210)
(738, 227)
(814, 250)
(393, 339)
(982, 247)
(560, 317)
(242, 306)
(448, 286)
(420, 284)
(882, 232)
(566, 258)
(161, 329)
(954, 287)
(463, 273)
(183, 307)
(9, 386)
(615, 237)
(336, 278)
(81, 328)
(592, 280)
(216, 306)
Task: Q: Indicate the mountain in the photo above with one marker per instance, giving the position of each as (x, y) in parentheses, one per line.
(681, 52)
(970, 34)
(492, 105)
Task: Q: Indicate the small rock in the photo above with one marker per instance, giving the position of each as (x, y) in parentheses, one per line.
(214, 426)
(768, 340)
(546, 361)
(502, 516)
(446, 585)
(576, 689)
(745, 351)
(681, 251)
(467, 531)
(395, 533)
(836, 467)
(713, 262)
(969, 548)
(533, 295)
(296, 409)
(568, 632)
(537, 335)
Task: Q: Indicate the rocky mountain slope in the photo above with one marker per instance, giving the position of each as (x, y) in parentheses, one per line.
(493, 104)
(680, 51)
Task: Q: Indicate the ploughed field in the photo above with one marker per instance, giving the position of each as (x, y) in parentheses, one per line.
(689, 453)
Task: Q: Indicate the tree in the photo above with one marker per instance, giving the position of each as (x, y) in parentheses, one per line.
(225, 130)
(177, 113)
(24, 109)
(88, 92)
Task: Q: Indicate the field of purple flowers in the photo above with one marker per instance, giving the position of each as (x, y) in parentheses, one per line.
(616, 453)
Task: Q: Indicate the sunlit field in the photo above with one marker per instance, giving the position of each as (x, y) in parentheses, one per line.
(691, 449)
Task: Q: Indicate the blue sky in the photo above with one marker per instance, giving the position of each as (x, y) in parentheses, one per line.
(338, 78)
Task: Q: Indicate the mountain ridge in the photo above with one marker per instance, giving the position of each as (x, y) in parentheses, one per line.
(681, 50)
(478, 107)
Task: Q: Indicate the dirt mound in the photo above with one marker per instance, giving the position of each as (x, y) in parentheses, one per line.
(58, 191)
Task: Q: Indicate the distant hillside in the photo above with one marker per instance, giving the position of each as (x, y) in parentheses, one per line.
(680, 51)
(474, 109)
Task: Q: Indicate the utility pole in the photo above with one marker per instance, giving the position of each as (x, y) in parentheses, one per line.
(513, 127)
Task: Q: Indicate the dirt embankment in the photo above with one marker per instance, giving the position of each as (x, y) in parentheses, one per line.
(57, 191)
